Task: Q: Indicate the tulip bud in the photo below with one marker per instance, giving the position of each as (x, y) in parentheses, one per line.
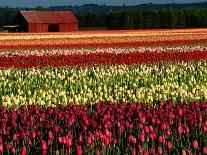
(14, 137)
(169, 145)
(152, 150)
(8, 146)
(195, 144)
(24, 150)
(140, 149)
(159, 150)
(145, 152)
(142, 138)
(13, 151)
(97, 152)
(204, 150)
(60, 140)
(1, 148)
(43, 145)
(133, 151)
(80, 138)
(79, 150)
(50, 135)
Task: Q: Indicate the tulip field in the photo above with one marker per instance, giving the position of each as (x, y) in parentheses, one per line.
(129, 92)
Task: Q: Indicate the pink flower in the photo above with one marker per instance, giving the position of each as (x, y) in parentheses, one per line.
(133, 152)
(159, 150)
(140, 149)
(97, 152)
(50, 135)
(69, 142)
(152, 150)
(163, 126)
(15, 137)
(169, 145)
(1, 148)
(143, 120)
(204, 150)
(180, 129)
(79, 150)
(180, 112)
(145, 152)
(24, 150)
(142, 138)
(161, 139)
(80, 138)
(60, 140)
(195, 144)
(14, 150)
(43, 145)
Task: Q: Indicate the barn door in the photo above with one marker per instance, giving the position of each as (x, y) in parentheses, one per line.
(53, 28)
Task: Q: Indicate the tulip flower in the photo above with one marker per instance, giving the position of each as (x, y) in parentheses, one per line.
(1, 148)
(159, 150)
(79, 150)
(204, 150)
(24, 150)
(133, 151)
(43, 145)
(195, 144)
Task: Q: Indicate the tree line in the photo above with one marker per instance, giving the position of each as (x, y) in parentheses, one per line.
(132, 18)
(146, 18)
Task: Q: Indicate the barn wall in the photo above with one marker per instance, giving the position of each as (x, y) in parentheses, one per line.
(68, 27)
(33, 27)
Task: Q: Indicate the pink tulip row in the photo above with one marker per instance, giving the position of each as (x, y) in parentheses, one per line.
(105, 128)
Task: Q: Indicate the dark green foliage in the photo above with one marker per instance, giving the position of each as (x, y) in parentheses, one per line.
(133, 18)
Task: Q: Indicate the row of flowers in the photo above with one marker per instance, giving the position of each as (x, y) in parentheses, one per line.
(124, 41)
(84, 51)
(29, 61)
(184, 81)
(98, 34)
(105, 128)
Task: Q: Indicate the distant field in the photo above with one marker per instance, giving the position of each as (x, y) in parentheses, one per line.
(104, 38)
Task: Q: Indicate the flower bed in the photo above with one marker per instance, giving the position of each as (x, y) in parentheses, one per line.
(105, 128)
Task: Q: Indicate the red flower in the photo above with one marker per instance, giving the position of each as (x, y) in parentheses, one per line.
(180, 112)
(69, 142)
(169, 145)
(152, 135)
(143, 120)
(180, 129)
(24, 150)
(140, 149)
(195, 144)
(145, 152)
(97, 152)
(15, 137)
(159, 150)
(14, 151)
(43, 145)
(60, 140)
(161, 139)
(204, 150)
(80, 138)
(142, 138)
(152, 150)
(79, 150)
(50, 135)
(133, 152)
(1, 148)
(163, 126)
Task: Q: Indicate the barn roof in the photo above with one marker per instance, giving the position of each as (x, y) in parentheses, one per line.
(51, 17)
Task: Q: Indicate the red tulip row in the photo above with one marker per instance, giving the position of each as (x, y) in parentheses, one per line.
(105, 128)
(109, 44)
(103, 58)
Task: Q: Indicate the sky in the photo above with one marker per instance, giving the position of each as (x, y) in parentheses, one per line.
(46, 3)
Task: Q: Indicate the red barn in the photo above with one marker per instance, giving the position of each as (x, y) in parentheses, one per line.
(46, 21)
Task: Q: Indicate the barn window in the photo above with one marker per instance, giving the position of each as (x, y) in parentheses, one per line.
(53, 28)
